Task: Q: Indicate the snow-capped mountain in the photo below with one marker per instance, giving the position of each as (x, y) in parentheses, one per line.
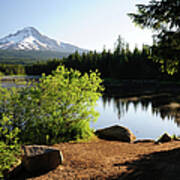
(30, 39)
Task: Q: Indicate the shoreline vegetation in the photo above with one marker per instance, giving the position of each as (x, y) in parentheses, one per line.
(115, 88)
(108, 82)
(57, 109)
(60, 108)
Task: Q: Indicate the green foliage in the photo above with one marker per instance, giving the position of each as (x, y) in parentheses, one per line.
(163, 17)
(43, 67)
(58, 108)
(9, 147)
(157, 14)
(1, 73)
(174, 137)
(12, 69)
(122, 63)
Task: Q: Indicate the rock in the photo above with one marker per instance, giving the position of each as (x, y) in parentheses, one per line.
(13, 172)
(38, 158)
(117, 133)
(164, 138)
(144, 141)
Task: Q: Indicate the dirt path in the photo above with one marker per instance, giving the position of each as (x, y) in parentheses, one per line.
(115, 160)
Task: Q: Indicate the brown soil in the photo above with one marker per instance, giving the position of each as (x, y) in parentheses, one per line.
(102, 159)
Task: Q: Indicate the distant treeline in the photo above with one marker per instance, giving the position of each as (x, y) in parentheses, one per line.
(122, 63)
(28, 57)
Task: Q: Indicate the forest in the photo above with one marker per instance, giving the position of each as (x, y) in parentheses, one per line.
(28, 57)
(122, 63)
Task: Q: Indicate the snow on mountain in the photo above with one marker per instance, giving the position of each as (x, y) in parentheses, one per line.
(30, 39)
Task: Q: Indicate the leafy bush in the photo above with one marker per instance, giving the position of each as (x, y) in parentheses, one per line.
(9, 147)
(1, 73)
(57, 108)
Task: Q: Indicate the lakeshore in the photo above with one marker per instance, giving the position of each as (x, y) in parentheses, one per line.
(101, 159)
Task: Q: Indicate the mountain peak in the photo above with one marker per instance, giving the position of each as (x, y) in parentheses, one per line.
(30, 38)
(30, 28)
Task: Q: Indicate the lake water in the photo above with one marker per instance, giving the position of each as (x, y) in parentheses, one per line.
(146, 116)
(144, 121)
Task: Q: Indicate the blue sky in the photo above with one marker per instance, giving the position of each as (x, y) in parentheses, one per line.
(90, 24)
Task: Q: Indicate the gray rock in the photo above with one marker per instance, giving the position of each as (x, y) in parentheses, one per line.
(117, 133)
(38, 158)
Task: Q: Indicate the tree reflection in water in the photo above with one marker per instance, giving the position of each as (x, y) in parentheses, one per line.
(167, 105)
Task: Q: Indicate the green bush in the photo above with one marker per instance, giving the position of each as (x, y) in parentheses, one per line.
(9, 147)
(1, 73)
(56, 109)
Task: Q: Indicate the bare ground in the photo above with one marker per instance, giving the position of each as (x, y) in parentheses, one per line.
(102, 159)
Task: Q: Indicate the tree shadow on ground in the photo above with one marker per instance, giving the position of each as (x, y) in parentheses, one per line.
(19, 173)
(164, 165)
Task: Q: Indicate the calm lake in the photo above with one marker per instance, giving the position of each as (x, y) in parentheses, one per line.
(142, 120)
(147, 116)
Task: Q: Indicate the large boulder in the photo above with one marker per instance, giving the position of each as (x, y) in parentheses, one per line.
(116, 133)
(38, 158)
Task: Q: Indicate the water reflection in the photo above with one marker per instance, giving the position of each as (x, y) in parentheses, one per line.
(167, 105)
(120, 106)
(146, 115)
(12, 84)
